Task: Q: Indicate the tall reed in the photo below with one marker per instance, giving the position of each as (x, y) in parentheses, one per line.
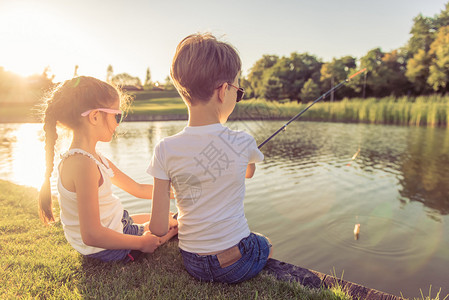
(420, 111)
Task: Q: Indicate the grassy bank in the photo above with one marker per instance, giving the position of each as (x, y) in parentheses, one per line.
(37, 262)
(420, 111)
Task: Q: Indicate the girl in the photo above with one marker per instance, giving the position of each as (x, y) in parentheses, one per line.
(94, 221)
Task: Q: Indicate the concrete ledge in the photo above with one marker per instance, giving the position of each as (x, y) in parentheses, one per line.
(314, 279)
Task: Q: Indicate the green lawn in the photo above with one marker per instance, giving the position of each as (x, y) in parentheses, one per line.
(37, 262)
(157, 103)
(159, 106)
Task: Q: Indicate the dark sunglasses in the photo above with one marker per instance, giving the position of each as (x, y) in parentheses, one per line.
(119, 118)
(240, 92)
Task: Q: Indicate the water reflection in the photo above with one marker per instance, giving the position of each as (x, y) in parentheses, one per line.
(425, 169)
(418, 157)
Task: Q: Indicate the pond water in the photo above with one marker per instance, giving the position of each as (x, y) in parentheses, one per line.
(317, 181)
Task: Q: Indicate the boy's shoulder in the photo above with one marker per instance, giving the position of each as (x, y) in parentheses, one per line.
(236, 133)
(238, 141)
(222, 132)
(175, 140)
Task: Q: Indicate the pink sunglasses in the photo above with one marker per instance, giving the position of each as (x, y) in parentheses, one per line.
(118, 113)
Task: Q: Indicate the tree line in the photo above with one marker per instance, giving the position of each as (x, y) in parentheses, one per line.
(128, 81)
(18, 89)
(421, 67)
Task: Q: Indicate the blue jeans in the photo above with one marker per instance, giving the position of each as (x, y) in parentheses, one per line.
(120, 254)
(254, 249)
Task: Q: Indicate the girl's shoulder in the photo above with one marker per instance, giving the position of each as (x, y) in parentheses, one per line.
(76, 166)
(83, 159)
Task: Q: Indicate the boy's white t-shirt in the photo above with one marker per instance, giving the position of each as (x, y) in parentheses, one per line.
(207, 167)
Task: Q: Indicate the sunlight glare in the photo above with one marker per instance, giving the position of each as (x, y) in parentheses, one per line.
(28, 155)
(28, 161)
(37, 38)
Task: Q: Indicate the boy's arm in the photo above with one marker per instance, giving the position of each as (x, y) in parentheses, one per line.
(159, 223)
(250, 169)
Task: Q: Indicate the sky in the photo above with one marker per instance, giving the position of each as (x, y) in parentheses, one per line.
(135, 35)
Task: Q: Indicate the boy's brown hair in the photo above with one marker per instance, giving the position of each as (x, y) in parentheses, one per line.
(201, 64)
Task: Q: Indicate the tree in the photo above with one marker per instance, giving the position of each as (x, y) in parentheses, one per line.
(310, 91)
(168, 85)
(386, 73)
(258, 72)
(426, 50)
(148, 83)
(439, 66)
(336, 71)
(124, 79)
(271, 88)
(442, 19)
(418, 71)
(298, 69)
(278, 78)
(393, 72)
(246, 85)
(287, 76)
(109, 74)
(423, 33)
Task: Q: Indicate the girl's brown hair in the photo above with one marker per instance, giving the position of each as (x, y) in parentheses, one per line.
(201, 64)
(64, 105)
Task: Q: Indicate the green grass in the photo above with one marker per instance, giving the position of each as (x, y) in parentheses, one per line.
(159, 106)
(38, 263)
(157, 103)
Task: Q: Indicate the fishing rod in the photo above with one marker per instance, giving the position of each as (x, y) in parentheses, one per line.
(317, 100)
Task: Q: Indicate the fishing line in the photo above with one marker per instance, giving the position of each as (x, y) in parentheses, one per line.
(317, 100)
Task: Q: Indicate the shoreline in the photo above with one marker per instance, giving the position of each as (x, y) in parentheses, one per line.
(287, 272)
(179, 117)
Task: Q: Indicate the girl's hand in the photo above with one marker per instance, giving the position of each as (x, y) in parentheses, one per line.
(173, 223)
(150, 242)
(171, 233)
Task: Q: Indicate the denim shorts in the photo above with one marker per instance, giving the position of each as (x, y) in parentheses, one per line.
(120, 254)
(254, 249)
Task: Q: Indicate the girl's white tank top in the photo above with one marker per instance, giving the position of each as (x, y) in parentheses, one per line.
(111, 209)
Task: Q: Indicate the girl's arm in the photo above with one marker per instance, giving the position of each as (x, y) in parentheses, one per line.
(86, 178)
(159, 223)
(250, 169)
(126, 183)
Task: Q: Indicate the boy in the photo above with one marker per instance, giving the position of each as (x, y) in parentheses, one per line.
(207, 164)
